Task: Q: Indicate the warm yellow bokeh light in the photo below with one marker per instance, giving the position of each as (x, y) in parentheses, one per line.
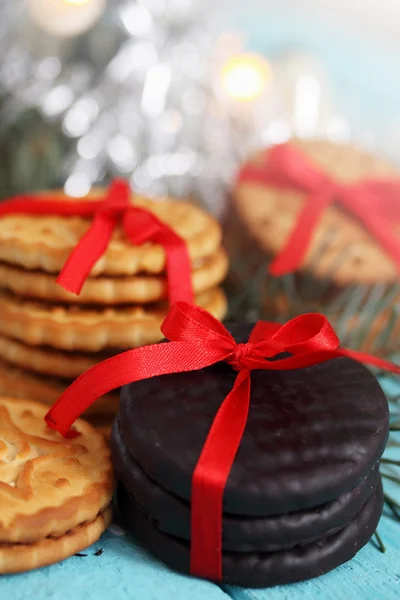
(77, 2)
(65, 18)
(245, 77)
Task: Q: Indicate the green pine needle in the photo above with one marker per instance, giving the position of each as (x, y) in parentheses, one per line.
(391, 478)
(392, 502)
(394, 506)
(381, 545)
(389, 461)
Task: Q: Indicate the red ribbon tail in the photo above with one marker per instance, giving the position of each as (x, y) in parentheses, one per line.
(133, 365)
(91, 385)
(179, 268)
(48, 206)
(293, 253)
(141, 226)
(368, 359)
(375, 221)
(85, 255)
(210, 477)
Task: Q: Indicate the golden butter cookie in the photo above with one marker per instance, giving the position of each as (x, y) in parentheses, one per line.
(91, 329)
(16, 558)
(47, 361)
(44, 243)
(48, 485)
(105, 430)
(110, 290)
(18, 383)
(341, 249)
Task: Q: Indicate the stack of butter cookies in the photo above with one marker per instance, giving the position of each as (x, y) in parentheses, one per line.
(55, 494)
(346, 273)
(49, 336)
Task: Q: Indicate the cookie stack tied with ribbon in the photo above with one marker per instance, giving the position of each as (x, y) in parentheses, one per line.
(55, 493)
(316, 227)
(249, 457)
(122, 258)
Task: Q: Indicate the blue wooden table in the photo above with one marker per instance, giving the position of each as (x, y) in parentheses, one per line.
(124, 571)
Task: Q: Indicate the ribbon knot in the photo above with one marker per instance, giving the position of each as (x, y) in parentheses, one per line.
(374, 203)
(116, 203)
(240, 355)
(140, 225)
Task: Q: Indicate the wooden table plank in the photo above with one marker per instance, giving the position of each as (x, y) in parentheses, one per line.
(123, 572)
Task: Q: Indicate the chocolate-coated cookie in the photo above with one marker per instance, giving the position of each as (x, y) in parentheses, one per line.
(262, 569)
(312, 434)
(171, 514)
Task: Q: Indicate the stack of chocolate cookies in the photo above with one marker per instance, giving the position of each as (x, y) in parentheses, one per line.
(304, 493)
(48, 336)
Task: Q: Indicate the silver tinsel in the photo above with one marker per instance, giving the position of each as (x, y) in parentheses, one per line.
(136, 96)
(141, 95)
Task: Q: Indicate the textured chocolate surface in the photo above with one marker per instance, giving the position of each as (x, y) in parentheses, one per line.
(312, 434)
(171, 514)
(262, 569)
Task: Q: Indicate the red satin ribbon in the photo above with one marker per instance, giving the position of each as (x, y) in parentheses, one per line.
(197, 341)
(140, 225)
(375, 203)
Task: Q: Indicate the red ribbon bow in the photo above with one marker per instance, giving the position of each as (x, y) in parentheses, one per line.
(140, 225)
(197, 341)
(375, 203)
